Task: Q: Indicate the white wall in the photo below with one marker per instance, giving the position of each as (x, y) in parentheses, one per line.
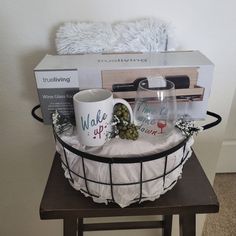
(27, 31)
(227, 160)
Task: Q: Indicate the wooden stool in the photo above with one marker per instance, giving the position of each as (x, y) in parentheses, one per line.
(193, 194)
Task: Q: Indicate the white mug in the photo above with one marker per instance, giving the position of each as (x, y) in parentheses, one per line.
(93, 115)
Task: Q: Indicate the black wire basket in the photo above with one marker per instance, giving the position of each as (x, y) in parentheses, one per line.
(125, 180)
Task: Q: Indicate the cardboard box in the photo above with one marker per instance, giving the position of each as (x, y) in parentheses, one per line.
(60, 77)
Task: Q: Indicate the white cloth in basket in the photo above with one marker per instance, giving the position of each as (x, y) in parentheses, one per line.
(124, 193)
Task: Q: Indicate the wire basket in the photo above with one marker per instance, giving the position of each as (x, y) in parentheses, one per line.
(125, 180)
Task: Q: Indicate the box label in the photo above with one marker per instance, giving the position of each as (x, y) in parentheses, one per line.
(57, 79)
(59, 99)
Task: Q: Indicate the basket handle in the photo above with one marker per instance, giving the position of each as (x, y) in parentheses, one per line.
(207, 126)
(35, 115)
(214, 123)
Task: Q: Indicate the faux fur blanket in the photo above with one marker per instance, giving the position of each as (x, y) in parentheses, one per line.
(145, 35)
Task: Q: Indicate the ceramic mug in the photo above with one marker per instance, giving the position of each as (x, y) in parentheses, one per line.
(93, 115)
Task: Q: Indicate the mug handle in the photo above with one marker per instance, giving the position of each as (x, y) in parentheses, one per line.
(120, 100)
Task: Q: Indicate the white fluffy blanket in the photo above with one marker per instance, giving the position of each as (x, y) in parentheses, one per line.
(145, 35)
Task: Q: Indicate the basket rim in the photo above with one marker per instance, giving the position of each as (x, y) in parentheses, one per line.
(119, 160)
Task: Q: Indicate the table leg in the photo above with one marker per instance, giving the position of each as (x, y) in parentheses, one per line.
(167, 225)
(70, 226)
(187, 223)
(80, 227)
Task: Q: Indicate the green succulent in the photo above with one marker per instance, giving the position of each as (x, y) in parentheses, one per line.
(126, 130)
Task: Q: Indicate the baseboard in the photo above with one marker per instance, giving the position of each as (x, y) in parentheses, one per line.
(227, 159)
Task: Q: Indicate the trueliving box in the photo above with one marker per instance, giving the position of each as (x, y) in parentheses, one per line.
(58, 78)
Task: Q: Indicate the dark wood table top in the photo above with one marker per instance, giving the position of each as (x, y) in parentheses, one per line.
(192, 194)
